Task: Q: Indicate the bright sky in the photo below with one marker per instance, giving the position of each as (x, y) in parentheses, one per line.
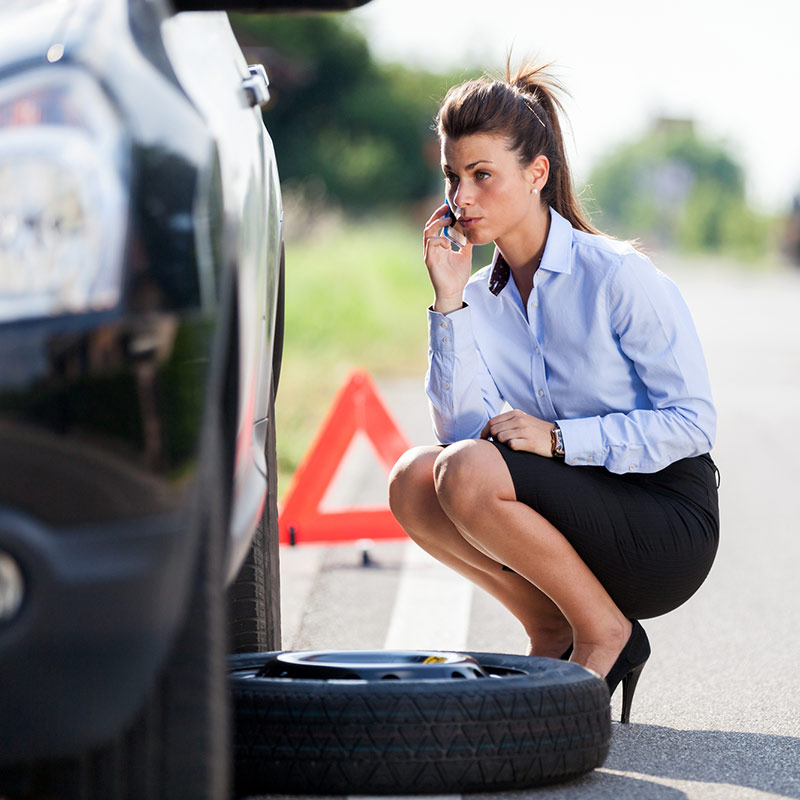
(732, 66)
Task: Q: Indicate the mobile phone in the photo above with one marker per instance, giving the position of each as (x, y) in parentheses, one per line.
(452, 232)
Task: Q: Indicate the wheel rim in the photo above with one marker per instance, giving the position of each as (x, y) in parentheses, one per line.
(373, 665)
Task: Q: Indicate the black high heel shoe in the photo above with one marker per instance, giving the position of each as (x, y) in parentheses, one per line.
(628, 667)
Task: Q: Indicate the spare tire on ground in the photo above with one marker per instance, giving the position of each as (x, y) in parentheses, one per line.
(382, 722)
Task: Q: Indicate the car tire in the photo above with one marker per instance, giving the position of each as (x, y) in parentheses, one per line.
(255, 596)
(178, 748)
(535, 721)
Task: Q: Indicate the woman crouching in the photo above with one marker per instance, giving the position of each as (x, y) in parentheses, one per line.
(592, 503)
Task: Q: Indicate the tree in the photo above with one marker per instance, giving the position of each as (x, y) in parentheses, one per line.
(359, 128)
(674, 188)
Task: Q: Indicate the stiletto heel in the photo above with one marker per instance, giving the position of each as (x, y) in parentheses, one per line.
(628, 667)
(628, 688)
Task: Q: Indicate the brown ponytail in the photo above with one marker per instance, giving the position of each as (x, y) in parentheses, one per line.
(524, 108)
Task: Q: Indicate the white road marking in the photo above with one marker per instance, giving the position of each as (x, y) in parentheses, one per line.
(694, 789)
(432, 606)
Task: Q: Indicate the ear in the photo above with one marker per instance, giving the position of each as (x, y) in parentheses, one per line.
(538, 171)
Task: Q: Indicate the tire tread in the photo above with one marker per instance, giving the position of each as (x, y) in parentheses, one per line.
(432, 737)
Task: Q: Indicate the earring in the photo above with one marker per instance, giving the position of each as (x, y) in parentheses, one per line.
(535, 191)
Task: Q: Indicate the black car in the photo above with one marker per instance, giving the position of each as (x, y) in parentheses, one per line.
(141, 281)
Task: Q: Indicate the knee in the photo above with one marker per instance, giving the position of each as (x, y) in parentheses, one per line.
(411, 483)
(466, 479)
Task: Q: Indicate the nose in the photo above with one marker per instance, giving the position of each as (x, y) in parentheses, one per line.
(462, 196)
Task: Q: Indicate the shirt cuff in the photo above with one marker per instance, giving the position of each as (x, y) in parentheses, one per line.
(583, 441)
(449, 333)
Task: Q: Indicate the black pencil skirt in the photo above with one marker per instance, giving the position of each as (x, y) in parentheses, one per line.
(650, 539)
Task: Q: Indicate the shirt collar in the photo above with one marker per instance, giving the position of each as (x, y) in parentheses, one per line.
(557, 256)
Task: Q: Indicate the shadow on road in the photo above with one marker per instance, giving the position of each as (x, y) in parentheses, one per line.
(764, 762)
(598, 785)
(739, 761)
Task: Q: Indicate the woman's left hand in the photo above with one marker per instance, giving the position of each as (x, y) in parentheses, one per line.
(520, 431)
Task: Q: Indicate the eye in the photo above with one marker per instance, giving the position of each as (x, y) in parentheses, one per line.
(480, 175)
(451, 178)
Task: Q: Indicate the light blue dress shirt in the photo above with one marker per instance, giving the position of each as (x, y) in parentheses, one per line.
(607, 349)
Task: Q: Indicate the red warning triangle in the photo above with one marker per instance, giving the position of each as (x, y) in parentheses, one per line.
(356, 407)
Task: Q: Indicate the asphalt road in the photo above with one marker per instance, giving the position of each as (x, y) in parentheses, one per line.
(717, 712)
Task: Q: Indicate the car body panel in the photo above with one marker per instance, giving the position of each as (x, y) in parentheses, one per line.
(211, 69)
(104, 412)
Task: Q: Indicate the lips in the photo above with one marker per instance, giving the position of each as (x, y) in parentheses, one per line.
(468, 222)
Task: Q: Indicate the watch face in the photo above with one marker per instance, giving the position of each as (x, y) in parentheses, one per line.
(559, 442)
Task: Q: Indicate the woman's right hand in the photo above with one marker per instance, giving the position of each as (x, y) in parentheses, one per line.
(449, 271)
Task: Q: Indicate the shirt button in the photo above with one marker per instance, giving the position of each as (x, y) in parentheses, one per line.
(445, 340)
(447, 386)
(541, 392)
(538, 351)
(590, 458)
(535, 304)
(632, 467)
(444, 324)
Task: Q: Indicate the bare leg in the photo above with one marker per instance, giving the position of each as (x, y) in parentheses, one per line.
(475, 491)
(413, 500)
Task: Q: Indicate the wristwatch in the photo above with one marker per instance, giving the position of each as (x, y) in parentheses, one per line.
(556, 442)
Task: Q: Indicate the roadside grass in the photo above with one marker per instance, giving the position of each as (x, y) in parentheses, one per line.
(355, 297)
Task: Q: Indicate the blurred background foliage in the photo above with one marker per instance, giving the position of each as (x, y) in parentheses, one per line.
(356, 134)
(355, 297)
(359, 127)
(674, 189)
(359, 170)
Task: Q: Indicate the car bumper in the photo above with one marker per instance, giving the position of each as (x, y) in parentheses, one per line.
(99, 462)
(99, 611)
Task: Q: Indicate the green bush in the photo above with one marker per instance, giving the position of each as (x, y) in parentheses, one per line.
(674, 189)
(360, 128)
